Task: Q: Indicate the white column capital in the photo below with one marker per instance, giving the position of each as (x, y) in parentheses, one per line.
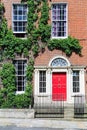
(70, 71)
(48, 71)
(36, 71)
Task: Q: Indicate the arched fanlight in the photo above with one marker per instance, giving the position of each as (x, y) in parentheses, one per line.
(59, 62)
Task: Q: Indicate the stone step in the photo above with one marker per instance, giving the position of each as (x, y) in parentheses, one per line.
(68, 112)
(49, 116)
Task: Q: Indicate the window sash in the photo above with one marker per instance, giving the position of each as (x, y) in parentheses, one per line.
(19, 17)
(59, 20)
(19, 26)
(20, 67)
(76, 81)
(42, 81)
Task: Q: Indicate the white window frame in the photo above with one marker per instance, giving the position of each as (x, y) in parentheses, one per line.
(42, 81)
(76, 81)
(18, 32)
(60, 37)
(81, 82)
(21, 75)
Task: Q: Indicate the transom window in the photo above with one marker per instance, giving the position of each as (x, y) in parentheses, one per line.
(76, 84)
(19, 18)
(59, 20)
(59, 62)
(20, 67)
(42, 81)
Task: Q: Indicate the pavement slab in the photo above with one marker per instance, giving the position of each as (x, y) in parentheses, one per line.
(43, 123)
(24, 128)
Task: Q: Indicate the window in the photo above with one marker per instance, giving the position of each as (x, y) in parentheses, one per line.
(19, 19)
(59, 62)
(20, 67)
(76, 84)
(59, 20)
(42, 81)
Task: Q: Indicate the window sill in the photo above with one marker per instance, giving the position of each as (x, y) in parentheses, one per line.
(20, 92)
(19, 32)
(77, 94)
(59, 37)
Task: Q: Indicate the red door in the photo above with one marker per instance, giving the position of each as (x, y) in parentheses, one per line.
(59, 86)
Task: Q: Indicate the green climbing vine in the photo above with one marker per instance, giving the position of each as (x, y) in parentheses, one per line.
(1, 11)
(8, 97)
(67, 45)
(7, 94)
(38, 34)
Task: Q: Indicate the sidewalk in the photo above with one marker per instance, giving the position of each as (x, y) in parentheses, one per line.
(49, 123)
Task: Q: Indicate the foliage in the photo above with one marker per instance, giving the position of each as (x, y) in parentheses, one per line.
(3, 30)
(44, 13)
(30, 69)
(30, 19)
(45, 29)
(8, 97)
(24, 100)
(7, 94)
(1, 11)
(12, 45)
(35, 49)
(1, 8)
(67, 45)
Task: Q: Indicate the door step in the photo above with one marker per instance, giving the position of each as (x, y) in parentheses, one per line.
(46, 115)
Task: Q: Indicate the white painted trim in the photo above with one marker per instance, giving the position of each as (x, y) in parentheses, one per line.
(20, 92)
(82, 84)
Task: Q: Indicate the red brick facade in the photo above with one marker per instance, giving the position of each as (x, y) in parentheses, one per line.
(77, 27)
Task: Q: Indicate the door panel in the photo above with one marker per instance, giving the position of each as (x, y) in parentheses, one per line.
(59, 86)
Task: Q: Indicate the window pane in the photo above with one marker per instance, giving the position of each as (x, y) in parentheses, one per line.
(20, 12)
(15, 17)
(15, 7)
(19, 88)
(15, 12)
(20, 24)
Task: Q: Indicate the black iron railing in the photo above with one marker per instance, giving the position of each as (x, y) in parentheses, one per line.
(79, 105)
(48, 106)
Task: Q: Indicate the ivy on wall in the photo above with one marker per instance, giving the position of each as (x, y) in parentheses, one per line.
(67, 45)
(8, 97)
(38, 36)
(1, 11)
(7, 94)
